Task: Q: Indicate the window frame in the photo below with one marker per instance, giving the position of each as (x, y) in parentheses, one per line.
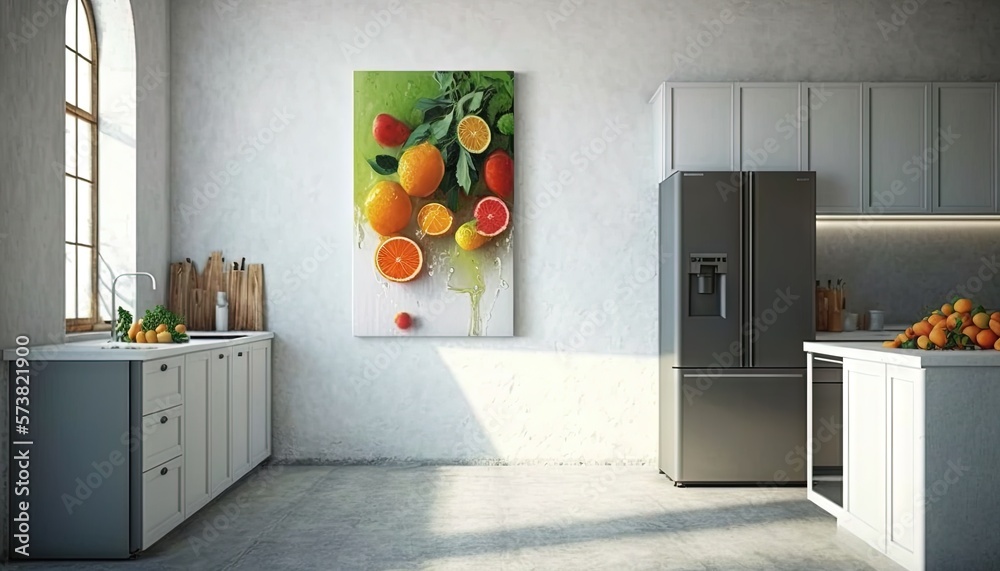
(93, 322)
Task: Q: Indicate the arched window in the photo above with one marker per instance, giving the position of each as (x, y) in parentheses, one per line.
(81, 167)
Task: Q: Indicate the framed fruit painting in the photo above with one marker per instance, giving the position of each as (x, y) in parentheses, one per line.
(433, 195)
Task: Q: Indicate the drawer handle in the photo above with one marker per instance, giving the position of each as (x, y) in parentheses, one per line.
(163, 420)
(163, 471)
(163, 367)
(240, 354)
(221, 355)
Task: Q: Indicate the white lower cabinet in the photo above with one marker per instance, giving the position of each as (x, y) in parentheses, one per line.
(206, 423)
(240, 443)
(162, 500)
(197, 490)
(884, 459)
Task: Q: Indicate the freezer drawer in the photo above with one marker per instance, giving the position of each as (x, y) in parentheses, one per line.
(741, 426)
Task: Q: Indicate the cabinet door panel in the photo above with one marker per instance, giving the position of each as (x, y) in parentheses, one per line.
(769, 126)
(700, 131)
(240, 443)
(259, 397)
(196, 446)
(964, 174)
(906, 473)
(832, 145)
(865, 461)
(220, 422)
(898, 119)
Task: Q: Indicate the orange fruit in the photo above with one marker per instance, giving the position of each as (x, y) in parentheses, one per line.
(995, 316)
(922, 327)
(954, 319)
(939, 337)
(421, 169)
(981, 320)
(910, 334)
(388, 208)
(995, 326)
(935, 319)
(972, 331)
(398, 259)
(987, 339)
(947, 309)
(997, 345)
(963, 305)
(902, 338)
(923, 342)
(891, 344)
(473, 134)
(468, 238)
(435, 219)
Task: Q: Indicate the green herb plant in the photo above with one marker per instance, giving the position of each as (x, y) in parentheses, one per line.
(123, 325)
(161, 315)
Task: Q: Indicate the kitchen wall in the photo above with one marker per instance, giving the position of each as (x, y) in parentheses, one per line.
(908, 267)
(261, 167)
(31, 191)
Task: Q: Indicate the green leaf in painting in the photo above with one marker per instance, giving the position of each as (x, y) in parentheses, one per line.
(444, 79)
(464, 170)
(384, 164)
(425, 104)
(452, 199)
(439, 128)
(460, 109)
(476, 101)
(505, 124)
(419, 135)
(499, 103)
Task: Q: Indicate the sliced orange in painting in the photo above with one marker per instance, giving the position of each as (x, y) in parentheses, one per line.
(435, 219)
(473, 134)
(398, 259)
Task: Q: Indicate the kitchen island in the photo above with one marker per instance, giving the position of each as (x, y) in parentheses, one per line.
(920, 457)
(116, 444)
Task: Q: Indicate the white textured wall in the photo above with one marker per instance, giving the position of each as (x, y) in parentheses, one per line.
(578, 381)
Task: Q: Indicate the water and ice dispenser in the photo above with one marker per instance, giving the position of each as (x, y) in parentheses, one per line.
(707, 285)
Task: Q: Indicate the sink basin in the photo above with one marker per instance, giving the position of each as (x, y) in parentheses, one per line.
(215, 336)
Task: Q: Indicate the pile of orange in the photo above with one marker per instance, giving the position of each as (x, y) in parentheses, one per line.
(956, 326)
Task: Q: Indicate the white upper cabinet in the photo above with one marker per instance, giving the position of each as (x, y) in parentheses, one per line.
(897, 117)
(831, 144)
(698, 129)
(767, 126)
(963, 154)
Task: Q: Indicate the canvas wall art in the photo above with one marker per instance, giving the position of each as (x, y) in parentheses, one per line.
(433, 198)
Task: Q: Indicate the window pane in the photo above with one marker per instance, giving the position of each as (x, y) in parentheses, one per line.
(84, 285)
(70, 77)
(70, 144)
(70, 209)
(71, 24)
(83, 32)
(85, 214)
(85, 149)
(85, 89)
(70, 281)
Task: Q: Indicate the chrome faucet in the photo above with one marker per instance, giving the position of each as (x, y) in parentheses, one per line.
(114, 308)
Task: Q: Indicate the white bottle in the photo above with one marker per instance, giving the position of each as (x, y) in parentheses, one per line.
(221, 312)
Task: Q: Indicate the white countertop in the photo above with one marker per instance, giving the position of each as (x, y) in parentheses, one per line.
(101, 349)
(914, 358)
(886, 334)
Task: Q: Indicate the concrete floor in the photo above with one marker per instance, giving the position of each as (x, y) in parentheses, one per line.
(513, 517)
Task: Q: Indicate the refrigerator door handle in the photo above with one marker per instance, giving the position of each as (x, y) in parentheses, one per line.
(751, 214)
(748, 376)
(742, 258)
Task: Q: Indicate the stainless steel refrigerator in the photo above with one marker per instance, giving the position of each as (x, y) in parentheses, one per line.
(737, 271)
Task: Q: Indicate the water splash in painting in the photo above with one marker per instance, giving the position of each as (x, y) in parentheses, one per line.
(359, 226)
(465, 268)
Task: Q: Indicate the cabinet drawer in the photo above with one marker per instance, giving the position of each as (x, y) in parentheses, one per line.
(162, 437)
(162, 507)
(161, 384)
